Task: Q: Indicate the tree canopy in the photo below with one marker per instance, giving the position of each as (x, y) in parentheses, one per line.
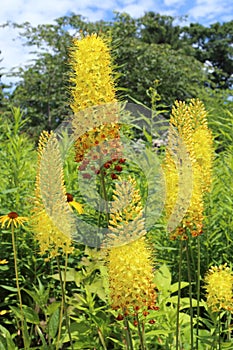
(182, 61)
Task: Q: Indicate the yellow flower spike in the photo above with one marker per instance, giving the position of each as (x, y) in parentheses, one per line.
(52, 240)
(219, 285)
(129, 259)
(93, 85)
(131, 277)
(12, 218)
(190, 121)
(92, 73)
(126, 221)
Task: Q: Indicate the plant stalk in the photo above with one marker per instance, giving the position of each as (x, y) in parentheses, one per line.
(102, 338)
(140, 334)
(198, 287)
(219, 332)
(129, 341)
(179, 295)
(190, 295)
(63, 303)
(17, 283)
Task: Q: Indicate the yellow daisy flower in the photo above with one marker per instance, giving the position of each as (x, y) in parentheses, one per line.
(74, 204)
(12, 218)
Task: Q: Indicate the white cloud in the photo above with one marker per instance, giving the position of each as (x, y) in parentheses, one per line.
(172, 2)
(211, 10)
(138, 8)
(134, 10)
(12, 51)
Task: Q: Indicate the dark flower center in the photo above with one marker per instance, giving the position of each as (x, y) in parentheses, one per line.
(12, 215)
(69, 197)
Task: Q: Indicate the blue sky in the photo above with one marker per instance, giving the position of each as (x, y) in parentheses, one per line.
(45, 11)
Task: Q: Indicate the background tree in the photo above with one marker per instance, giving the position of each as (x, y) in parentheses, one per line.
(159, 29)
(214, 45)
(148, 49)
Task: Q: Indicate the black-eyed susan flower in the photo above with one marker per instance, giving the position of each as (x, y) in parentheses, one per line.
(12, 218)
(74, 204)
(219, 288)
(129, 263)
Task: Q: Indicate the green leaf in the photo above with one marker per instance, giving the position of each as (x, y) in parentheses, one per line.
(35, 297)
(11, 289)
(71, 276)
(9, 341)
(53, 323)
(97, 288)
(80, 327)
(158, 332)
(227, 345)
(28, 313)
(53, 307)
(163, 278)
(26, 336)
(2, 343)
(174, 286)
(4, 267)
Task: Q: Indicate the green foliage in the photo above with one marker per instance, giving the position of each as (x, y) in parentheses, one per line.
(160, 29)
(180, 77)
(214, 45)
(17, 164)
(219, 231)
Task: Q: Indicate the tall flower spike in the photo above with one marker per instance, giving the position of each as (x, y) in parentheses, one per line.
(129, 265)
(126, 222)
(93, 85)
(191, 124)
(50, 197)
(92, 76)
(219, 285)
(202, 143)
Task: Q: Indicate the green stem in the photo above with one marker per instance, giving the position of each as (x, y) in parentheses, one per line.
(64, 296)
(215, 334)
(102, 181)
(179, 295)
(198, 287)
(219, 332)
(102, 339)
(63, 303)
(17, 283)
(129, 341)
(190, 295)
(140, 334)
(229, 326)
